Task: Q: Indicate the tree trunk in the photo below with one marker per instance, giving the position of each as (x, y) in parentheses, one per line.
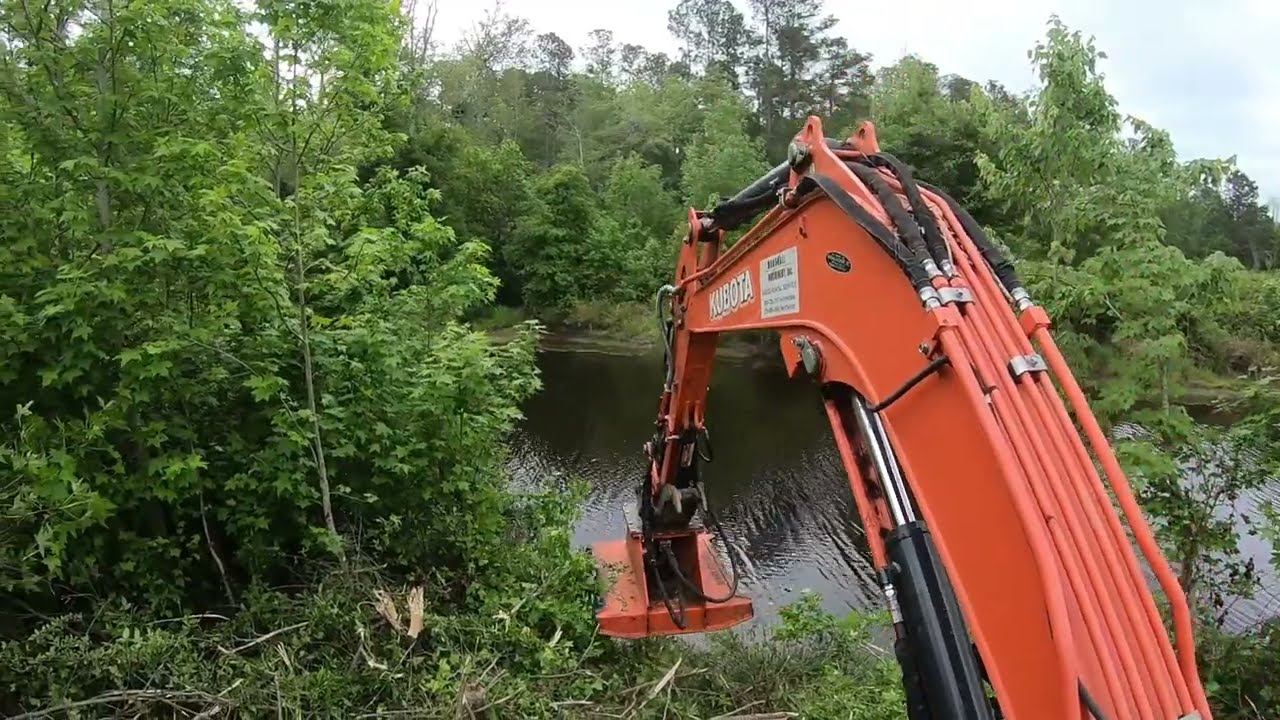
(309, 379)
(106, 113)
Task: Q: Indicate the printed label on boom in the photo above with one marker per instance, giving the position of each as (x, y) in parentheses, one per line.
(732, 295)
(779, 284)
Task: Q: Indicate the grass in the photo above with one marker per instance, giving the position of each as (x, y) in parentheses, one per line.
(333, 651)
(632, 323)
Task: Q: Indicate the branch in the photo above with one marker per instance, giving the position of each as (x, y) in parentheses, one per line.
(428, 30)
(167, 696)
(308, 376)
(264, 638)
(222, 569)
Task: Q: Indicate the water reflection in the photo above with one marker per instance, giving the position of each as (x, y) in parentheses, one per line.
(776, 479)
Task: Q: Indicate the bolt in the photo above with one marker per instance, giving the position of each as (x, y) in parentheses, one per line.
(797, 153)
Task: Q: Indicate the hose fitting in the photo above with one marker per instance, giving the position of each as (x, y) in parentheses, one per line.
(930, 298)
(1021, 299)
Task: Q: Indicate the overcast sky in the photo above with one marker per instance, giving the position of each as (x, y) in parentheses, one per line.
(1204, 71)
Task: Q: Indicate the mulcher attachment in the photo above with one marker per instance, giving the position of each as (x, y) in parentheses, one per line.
(673, 584)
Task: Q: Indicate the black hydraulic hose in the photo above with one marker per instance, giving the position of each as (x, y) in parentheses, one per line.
(733, 562)
(902, 220)
(732, 214)
(666, 597)
(1000, 264)
(934, 366)
(749, 201)
(772, 180)
(928, 223)
(1090, 703)
(646, 521)
(767, 184)
(905, 259)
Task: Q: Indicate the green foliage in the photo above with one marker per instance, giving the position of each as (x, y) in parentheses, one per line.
(635, 192)
(1135, 315)
(1240, 671)
(1085, 208)
(1190, 479)
(937, 134)
(851, 686)
(348, 650)
(226, 355)
(723, 159)
(484, 189)
(556, 246)
(344, 646)
(240, 244)
(1070, 183)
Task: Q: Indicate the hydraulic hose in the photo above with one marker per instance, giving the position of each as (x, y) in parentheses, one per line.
(733, 562)
(749, 201)
(933, 238)
(902, 220)
(1122, 625)
(679, 620)
(1086, 506)
(1000, 264)
(888, 241)
(769, 183)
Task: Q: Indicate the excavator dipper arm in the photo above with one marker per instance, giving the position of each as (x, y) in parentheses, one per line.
(1009, 575)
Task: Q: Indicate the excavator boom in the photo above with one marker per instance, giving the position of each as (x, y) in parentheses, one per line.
(1009, 574)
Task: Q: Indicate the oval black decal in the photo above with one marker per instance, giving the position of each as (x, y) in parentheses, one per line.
(838, 262)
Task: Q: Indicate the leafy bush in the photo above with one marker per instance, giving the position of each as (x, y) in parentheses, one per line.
(144, 487)
(1240, 671)
(227, 356)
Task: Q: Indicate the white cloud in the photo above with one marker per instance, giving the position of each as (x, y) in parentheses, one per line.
(1204, 72)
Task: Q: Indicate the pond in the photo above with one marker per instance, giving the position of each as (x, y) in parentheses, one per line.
(776, 480)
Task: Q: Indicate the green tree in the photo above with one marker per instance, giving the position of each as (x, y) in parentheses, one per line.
(930, 123)
(714, 37)
(1086, 206)
(483, 189)
(722, 159)
(1251, 233)
(552, 90)
(223, 349)
(636, 191)
(800, 69)
(562, 255)
(136, 234)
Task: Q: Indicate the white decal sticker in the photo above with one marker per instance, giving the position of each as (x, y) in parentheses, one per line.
(732, 295)
(779, 284)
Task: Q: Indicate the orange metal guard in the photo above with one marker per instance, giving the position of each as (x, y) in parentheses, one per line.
(1013, 586)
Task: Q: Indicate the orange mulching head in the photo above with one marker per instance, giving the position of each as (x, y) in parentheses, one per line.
(683, 590)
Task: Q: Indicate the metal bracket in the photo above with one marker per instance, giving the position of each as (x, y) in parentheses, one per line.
(955, 295)
(1193, 716)
(1020, 365)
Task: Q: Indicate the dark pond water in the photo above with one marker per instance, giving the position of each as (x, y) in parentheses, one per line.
(776, 480)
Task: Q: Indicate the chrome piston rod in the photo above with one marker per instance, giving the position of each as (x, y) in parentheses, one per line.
(886, 464)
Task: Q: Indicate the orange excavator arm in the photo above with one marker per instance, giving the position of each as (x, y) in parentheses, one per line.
(1012, 584)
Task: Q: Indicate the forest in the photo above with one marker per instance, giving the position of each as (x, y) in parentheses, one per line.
(273, 276)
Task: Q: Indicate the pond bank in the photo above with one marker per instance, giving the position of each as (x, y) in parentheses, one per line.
(1206, 391)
